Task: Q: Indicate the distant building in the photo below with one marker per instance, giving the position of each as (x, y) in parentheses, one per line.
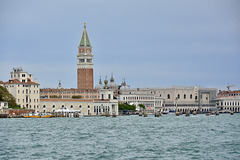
(229, 100)
(21, 86)
(84, 98)
(65, 93)
(123, 87)
(111, 85)
(228, 93)
(20, 75)
(150, 101)
(85, 62)
(104, 104)
(3, 105)
(180, 98)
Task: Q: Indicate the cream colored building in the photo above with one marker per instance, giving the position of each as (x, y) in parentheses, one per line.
(104, 104)
(227, 104)
(26, 92)
(66, 93)
(20, 75)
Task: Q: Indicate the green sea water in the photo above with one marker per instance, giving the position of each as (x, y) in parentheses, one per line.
(124, 137)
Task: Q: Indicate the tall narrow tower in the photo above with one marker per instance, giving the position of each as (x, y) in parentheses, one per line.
(85, 62)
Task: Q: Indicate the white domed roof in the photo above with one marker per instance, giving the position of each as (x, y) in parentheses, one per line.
(125, 87)
(112, 84)
(99, 86)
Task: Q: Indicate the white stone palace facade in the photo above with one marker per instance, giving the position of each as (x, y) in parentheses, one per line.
(180, 98)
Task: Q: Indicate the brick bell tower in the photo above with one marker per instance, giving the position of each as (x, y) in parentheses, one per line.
(85, 62)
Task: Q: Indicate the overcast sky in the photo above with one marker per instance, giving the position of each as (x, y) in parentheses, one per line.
(151, 43)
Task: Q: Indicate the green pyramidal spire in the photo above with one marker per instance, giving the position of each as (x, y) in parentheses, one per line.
(85, 39)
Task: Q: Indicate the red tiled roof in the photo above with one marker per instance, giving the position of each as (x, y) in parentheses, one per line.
(65, 100)
(101, 99)
(16, 81)
(66, 89)
(71, 100)
(227, 92)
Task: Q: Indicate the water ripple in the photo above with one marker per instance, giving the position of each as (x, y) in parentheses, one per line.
(127, 137)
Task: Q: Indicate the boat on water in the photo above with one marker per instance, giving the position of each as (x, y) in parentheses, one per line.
(32, 115)
(37, 115)
(46, 116)
(171, 111)
(165, 112)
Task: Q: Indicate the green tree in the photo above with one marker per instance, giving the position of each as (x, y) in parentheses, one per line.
(76, 97)
(6, 96)
(142, 106)
(54, 96)
(125, 106)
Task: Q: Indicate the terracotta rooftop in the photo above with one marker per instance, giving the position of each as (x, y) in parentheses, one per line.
(226, 92)
(16, 81)
(71, 100)
(66, 89)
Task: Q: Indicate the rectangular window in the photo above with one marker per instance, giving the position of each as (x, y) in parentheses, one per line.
(89, 60)
(23, 80)
(81, 60)
(184, 96)
(23, 75)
